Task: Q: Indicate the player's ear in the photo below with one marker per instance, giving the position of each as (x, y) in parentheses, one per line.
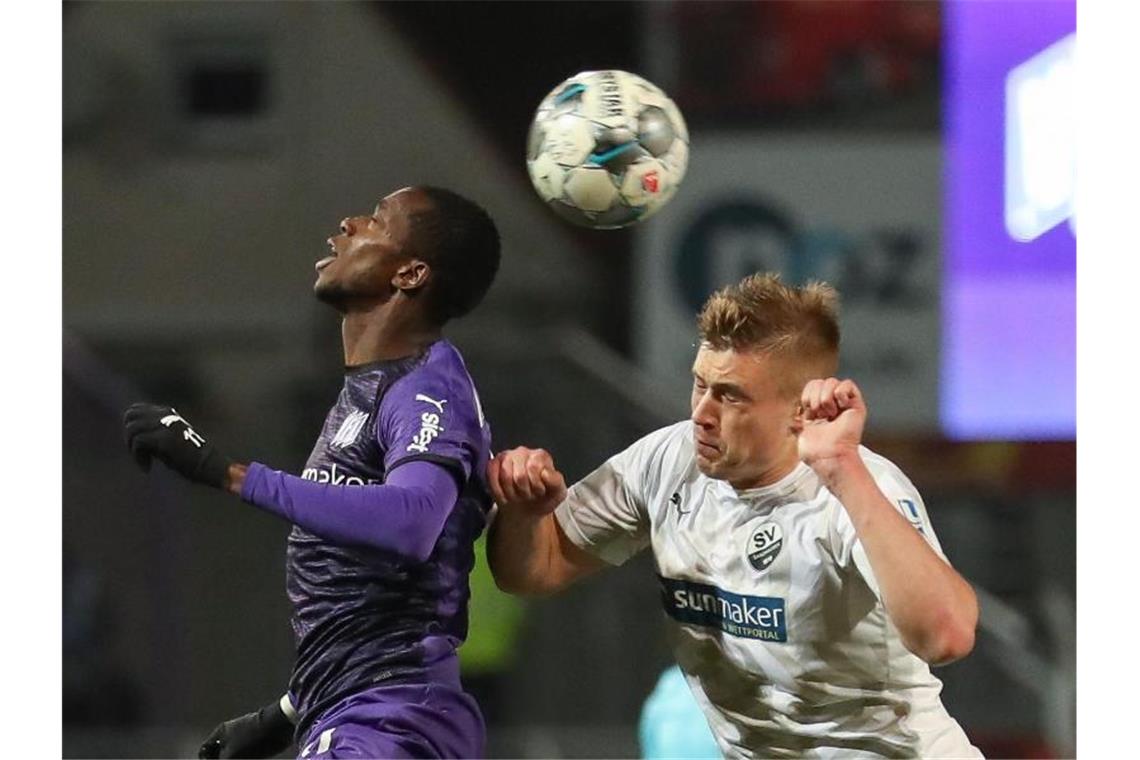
(797, 418)
(412, 275)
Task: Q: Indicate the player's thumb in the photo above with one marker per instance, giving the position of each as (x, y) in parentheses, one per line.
(555, 483)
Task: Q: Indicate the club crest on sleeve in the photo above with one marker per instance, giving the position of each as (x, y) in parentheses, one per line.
(764, 545)
(910, 511)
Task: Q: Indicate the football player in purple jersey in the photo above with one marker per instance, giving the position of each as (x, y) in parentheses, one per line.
(390, 502)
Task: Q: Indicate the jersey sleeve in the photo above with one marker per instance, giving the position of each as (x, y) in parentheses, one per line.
(904, 497)
(606, 513)
(404, 516)
(430, 415)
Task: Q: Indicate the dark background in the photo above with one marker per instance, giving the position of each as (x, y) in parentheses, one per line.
(210, 148)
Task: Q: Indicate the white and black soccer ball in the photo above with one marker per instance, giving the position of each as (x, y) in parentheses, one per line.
(607, 149)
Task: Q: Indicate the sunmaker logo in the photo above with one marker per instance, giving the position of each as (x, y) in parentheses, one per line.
(748, 617)
(336, 477)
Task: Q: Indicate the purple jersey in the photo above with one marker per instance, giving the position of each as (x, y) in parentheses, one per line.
(363, 617)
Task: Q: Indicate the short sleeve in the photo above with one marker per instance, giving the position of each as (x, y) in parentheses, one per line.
(904, 497)
(431, 415)
(606, 513)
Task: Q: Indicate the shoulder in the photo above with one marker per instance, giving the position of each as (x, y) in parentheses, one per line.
(656, 461)
(890, 479)
(667, 446)
(439, 377)
(895, 486)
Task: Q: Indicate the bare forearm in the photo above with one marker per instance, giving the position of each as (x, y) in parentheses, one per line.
(519, 550)
(526, 549)
(933, 607)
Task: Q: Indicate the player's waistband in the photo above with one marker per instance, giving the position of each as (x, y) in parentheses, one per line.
(443, 671)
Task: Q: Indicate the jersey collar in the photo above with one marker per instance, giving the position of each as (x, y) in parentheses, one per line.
(779, 490)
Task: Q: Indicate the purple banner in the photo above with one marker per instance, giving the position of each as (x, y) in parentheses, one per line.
(1009, 283)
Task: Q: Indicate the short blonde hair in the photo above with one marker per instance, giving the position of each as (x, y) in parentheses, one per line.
(760, 313)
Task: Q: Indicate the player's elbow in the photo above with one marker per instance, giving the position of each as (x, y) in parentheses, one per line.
(949, 639)
(949, 647)
(421, 544)
(421, 552)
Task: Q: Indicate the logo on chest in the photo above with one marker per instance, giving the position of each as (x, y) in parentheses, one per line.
(764, 545)
(349, 430)
(750, 617)
(678, 504)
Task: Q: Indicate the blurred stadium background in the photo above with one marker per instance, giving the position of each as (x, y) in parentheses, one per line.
(209, 149)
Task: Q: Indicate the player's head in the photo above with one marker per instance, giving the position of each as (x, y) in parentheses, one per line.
(430, 245)
(761, 341)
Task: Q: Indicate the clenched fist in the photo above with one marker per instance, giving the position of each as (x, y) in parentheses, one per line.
(833, 415)
(526, 479)
(157, 431)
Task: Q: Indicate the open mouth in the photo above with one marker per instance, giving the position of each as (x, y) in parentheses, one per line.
(327, 259)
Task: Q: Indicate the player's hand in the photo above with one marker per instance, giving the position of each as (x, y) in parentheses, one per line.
(265, 733)
(832, 415)
(527, 479)
(159, 432)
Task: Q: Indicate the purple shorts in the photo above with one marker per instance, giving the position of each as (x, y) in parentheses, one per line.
(399, 721)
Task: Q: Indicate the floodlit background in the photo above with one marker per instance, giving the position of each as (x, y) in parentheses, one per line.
(917, 155)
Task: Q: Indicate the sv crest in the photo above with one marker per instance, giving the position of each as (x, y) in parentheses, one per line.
(764, 545)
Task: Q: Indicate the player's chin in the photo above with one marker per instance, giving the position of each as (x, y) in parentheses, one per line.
(707, 466)
(329, 292)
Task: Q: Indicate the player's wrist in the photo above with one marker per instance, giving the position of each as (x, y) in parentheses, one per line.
(235, 477)
(531, 511)
(285, 704)
(263, 733)
(841, 470)
(276, 721)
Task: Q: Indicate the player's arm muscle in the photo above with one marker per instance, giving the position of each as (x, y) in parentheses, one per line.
(405, 515)
(526, 548)
(531, 555)
(933, 607)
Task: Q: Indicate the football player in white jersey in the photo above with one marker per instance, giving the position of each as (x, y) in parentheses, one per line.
(805, 590)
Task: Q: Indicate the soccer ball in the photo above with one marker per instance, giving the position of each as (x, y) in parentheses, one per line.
(607, 149)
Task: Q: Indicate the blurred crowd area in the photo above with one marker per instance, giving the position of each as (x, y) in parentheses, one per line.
(209, 149)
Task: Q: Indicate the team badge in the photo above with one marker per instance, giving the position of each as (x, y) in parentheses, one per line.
(765, 545)
(910, 510)
(349, 429)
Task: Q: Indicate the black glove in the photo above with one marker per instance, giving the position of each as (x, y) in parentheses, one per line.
(265, 733)
(162, 433)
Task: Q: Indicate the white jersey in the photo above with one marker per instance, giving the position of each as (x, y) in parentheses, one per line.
(772, 608)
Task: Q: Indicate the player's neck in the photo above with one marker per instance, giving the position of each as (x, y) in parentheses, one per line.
(372, 336)
(770, 475)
